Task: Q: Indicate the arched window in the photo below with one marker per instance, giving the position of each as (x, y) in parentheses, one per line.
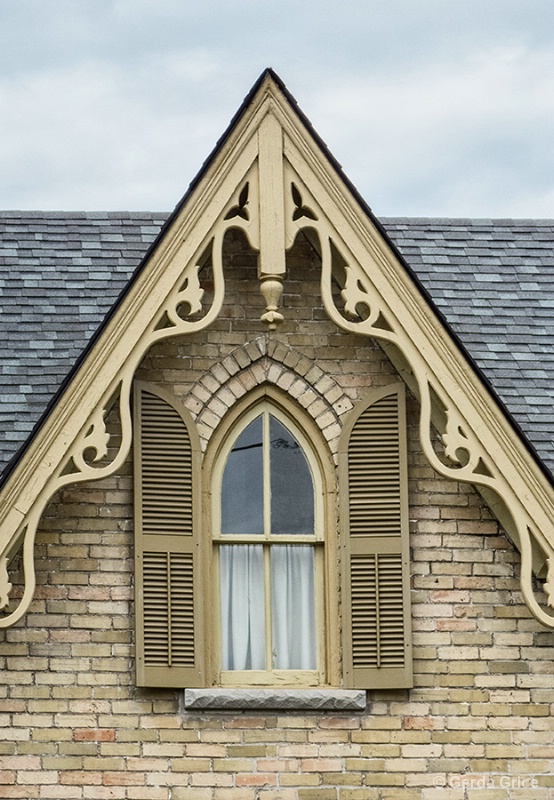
(268, 537)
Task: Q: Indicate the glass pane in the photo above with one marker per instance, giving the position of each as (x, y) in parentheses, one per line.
(292, 491)
(242, 488)
(242, 607)
(293, 609)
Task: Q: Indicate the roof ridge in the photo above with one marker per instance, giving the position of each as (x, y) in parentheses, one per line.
(386, 218)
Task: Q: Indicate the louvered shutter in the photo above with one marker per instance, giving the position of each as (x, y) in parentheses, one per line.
(167, 538)
(375, 546)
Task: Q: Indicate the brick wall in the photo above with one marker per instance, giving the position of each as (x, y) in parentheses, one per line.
(477, 725)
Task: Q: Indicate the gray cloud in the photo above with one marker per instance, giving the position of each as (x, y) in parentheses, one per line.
(432, 107)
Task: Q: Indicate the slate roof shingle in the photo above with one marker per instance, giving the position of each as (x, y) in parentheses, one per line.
(492, 280)
(60, 273)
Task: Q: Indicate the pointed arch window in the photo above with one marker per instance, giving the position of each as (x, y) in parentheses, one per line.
(268, 546)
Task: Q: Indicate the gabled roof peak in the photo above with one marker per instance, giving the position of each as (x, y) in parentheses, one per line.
(271, 177)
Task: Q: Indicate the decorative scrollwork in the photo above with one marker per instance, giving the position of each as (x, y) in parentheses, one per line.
(464, 452)
(86, 459)
(456, 442)
(549, 583)
(28, 533)
(526, 578)
(462, 447)
(356, 294)
(189, 296)
(181, 312)
(368, 310)
(5, 585)
(96, 440)
(184, 302)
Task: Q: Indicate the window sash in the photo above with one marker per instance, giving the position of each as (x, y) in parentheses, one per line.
(268, 540)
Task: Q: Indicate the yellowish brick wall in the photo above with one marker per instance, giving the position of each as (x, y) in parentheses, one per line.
(478, 724)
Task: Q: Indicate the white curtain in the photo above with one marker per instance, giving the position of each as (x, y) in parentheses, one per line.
(292, 588)
(242, 607)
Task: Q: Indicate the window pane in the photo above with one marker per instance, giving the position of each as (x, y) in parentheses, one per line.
(293, 610)
(292, 491)
(242, 487)
(242, 607)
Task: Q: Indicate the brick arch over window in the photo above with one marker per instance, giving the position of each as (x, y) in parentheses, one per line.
(266, 361)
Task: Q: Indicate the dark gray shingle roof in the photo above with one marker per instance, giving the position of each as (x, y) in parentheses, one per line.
(59, 276)
(493, 280)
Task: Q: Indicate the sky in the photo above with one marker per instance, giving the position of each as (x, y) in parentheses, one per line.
(433, 107)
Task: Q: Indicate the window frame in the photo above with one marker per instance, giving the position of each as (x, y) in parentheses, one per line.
(319, 459)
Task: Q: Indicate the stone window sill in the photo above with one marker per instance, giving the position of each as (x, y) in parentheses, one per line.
(275, 700)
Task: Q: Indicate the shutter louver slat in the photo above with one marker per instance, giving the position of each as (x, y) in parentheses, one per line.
(182, 611)
(374, 452)
(166, 470)
(377, 635)
(168, 610)
(377, 595)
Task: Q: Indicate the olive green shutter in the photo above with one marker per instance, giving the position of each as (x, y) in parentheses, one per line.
(375, 546)
(167, 538)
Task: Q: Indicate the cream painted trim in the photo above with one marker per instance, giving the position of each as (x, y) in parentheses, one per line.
(299, 679)
(268, 140)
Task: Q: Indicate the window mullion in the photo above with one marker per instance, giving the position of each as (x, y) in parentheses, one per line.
(267, 549)
(267, 477)
(268, 610)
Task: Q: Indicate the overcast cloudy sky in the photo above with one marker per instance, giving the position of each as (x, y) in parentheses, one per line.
(433, 107)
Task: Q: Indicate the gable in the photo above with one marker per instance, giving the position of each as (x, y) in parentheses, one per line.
(271, 179)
